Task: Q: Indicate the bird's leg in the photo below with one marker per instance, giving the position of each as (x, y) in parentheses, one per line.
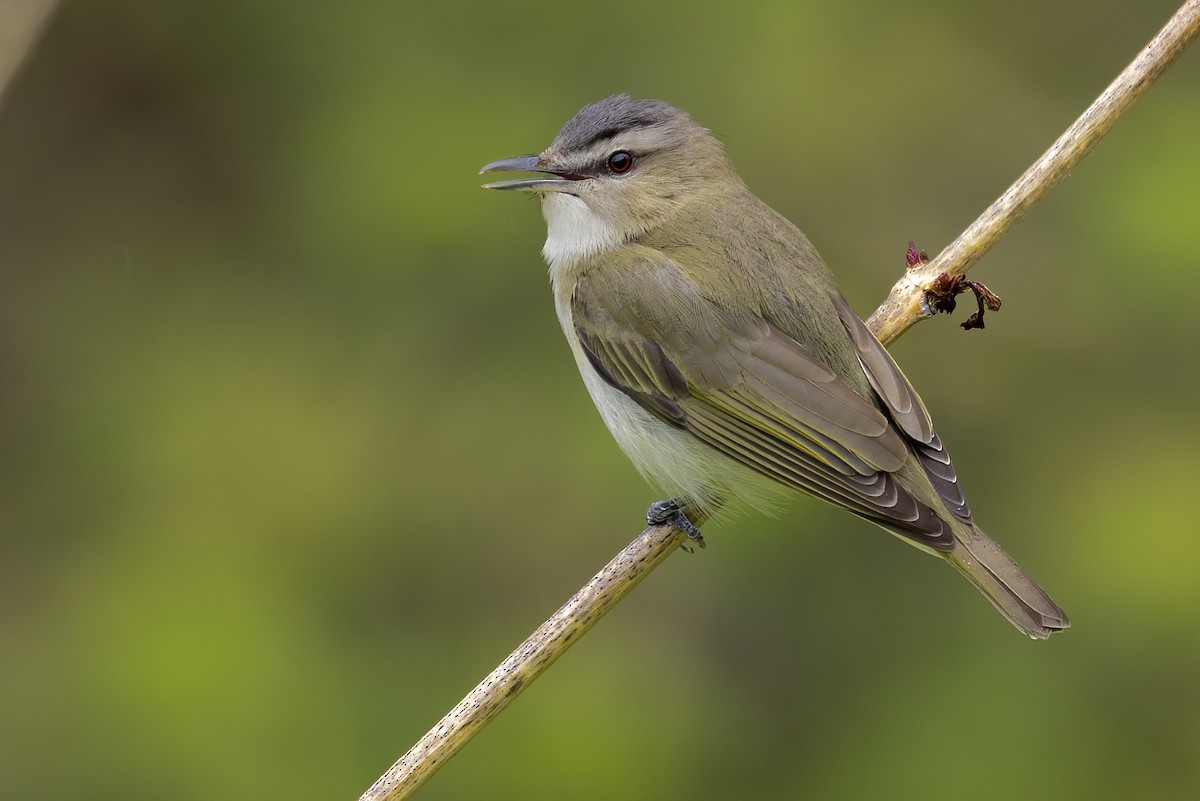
(671, 512)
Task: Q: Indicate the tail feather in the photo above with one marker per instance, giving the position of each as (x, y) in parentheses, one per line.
(1016, 595)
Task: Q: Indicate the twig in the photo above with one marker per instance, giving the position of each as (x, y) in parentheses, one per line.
(903, 307)
(20, 25)
(525, 664)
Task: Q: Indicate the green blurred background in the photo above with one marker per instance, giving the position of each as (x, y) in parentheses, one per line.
(292, 451)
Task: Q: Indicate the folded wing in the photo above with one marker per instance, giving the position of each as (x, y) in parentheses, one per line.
(762, 398)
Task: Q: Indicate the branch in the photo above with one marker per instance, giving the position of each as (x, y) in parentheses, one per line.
(20, 24)
(904, 306)
(538, 652)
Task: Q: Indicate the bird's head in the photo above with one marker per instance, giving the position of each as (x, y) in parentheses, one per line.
(617, 169)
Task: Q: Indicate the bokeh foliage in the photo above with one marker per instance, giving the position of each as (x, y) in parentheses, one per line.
(292, 451)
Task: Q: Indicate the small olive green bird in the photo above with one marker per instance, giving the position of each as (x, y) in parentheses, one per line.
(721, 354)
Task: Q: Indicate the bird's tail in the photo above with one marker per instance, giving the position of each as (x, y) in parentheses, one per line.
(1016, 595)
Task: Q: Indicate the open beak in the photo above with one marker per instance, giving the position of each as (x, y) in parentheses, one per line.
(527, 164)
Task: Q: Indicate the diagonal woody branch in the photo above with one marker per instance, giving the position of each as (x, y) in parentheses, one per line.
(20, 25)
(903, 307)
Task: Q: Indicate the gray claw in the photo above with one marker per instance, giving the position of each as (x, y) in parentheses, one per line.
(671, 513)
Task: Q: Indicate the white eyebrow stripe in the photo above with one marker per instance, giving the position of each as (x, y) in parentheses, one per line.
(637, 141)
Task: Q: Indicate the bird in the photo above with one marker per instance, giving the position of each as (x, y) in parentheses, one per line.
(721, 355)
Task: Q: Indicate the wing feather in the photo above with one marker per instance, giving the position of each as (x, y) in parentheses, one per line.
(876, 497)
(906, 409)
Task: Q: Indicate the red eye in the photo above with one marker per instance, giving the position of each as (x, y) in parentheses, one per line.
(620, 162)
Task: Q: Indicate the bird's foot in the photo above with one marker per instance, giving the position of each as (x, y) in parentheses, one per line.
(671, 513)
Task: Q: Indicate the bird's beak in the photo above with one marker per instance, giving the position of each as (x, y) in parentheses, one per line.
(528, 164)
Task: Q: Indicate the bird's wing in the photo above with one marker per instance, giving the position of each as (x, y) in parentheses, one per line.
(739, 383)
(906, 409)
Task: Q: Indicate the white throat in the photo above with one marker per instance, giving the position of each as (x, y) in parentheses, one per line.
(573, 231)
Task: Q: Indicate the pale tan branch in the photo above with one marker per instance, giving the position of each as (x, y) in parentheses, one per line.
(20, 24)
(903, 307)
(525, 664)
